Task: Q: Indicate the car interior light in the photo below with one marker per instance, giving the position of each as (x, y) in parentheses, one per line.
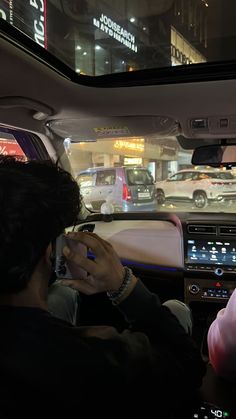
(40, 116)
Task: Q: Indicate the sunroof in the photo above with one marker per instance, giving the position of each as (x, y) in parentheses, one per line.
(95, 37)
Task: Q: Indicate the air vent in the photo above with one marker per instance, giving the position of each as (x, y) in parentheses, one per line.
(201, 229)
(227, 230)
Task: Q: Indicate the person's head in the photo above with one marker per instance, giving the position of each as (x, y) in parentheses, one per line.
(37, 202)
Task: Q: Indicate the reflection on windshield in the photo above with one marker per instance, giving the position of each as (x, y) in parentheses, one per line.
(158, 177)
(103, 37)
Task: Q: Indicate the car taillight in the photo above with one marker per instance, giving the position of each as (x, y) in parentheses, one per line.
(126, 195)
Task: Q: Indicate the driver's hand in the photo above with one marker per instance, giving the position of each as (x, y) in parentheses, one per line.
(105, 272)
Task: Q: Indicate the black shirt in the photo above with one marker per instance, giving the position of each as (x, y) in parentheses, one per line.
(49, 368)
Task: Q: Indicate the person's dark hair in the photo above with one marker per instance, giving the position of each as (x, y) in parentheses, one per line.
(38, 200)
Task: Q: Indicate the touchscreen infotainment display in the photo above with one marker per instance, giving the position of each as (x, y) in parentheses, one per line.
(211, 252)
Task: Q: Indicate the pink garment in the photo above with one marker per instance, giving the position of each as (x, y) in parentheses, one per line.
(222, 341)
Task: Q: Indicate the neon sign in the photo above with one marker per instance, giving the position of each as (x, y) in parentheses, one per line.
(39, 24)
(6, 11)
(135, 145)
(116, 31)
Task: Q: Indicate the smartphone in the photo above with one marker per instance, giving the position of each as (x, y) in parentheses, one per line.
(66, 269)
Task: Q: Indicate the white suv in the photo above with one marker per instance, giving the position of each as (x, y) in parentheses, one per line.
(198, 186)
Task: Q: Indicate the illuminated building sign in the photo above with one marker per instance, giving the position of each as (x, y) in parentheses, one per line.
(3, 14)
(182, 52)
(134, 145)
(29, 17)
(116, 31)
(10, 147)
(111, 131)
(6, 10)
(38, 9)
(138, 161)
(179, 56)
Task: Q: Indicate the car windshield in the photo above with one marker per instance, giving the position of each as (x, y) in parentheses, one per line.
(157, 176)
(97, 38)
(104, 37)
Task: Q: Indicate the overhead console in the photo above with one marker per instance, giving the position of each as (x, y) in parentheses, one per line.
(210, 261)
(220, 126)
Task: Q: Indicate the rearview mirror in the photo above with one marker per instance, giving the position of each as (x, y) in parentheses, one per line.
(215, 155)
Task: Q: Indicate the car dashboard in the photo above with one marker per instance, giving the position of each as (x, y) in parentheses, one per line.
(191, 257)
(188, 246)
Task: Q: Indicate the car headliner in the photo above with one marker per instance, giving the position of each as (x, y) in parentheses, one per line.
(28, 86)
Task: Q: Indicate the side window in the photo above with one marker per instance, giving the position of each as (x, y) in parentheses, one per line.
(176, 177)
(203, 176)
(23, 146)
(106, 177)
(225, 175)
(10, 147)
(188, 176)
(139, 177)
(85, 180)
(195, 176)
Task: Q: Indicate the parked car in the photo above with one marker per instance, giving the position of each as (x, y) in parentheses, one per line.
(198, 186)
(126, 188)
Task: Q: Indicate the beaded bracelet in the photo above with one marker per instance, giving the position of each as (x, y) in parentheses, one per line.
(116, 296)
